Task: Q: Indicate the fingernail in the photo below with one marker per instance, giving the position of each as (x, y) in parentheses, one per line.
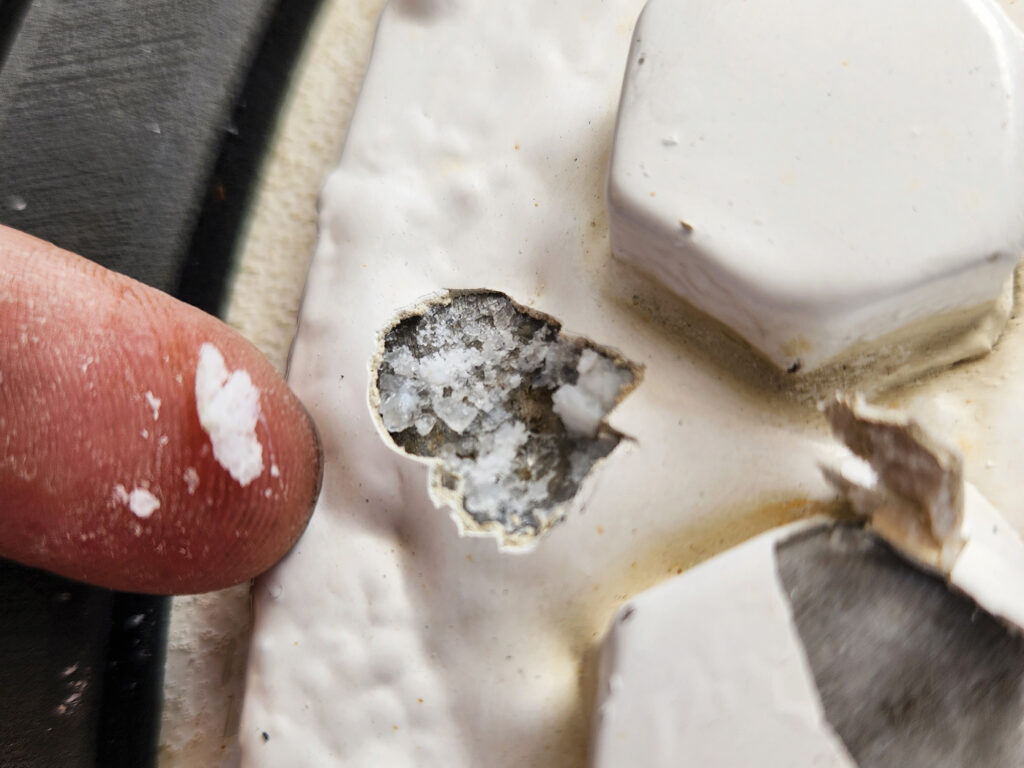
(319, 483)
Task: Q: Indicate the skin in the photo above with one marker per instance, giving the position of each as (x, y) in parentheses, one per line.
(80, 347)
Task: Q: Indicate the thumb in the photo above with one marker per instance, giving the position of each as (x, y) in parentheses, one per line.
(144, 445)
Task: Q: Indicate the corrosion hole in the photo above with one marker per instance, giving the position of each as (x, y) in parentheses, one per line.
(511, 409)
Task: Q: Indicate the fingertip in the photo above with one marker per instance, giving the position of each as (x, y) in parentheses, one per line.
(112, 474)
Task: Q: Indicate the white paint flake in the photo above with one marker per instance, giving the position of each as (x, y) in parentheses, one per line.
(274, 471)
(229, 407)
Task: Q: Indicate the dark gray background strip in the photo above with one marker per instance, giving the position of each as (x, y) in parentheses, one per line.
(910, 673)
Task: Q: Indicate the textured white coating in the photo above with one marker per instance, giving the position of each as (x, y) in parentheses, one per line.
(677, 690)
(461, 175)
(477, 159)
(816, 175)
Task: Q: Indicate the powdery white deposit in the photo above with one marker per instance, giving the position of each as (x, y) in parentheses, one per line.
(140, 501)
(477, 158)
(229, 407)
(191, 478)
(154, 403)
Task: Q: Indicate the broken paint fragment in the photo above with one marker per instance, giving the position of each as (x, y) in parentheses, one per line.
(914, 495)
(911, 490)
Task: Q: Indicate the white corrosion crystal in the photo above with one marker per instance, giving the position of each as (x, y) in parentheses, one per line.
(582, 405)
(140, 501)
(229, 408)
(455, 175)
(510, 407)
(154, 404)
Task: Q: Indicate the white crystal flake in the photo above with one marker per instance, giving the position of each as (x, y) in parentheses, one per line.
(582, 405)
(512, 408)
(229, 408)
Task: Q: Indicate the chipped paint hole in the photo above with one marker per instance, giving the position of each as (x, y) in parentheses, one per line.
(510, 409)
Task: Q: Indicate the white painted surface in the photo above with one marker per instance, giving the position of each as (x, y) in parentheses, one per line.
(457, 174)
(708, 669)
(477, 158)
(991, 566)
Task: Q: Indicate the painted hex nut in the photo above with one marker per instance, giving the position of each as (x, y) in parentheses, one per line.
(826, 180)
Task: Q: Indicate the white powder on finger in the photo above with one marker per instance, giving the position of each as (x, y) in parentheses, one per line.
(140, 501)
(191, 478)
(154, 404)
(229, 407)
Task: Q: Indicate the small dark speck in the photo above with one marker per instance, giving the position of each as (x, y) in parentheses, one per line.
(687, 228)
(641, 60)
(266, 736)
(795, 367)
(627, 614)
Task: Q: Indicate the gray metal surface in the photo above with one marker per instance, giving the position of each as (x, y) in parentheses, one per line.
(910, 673)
